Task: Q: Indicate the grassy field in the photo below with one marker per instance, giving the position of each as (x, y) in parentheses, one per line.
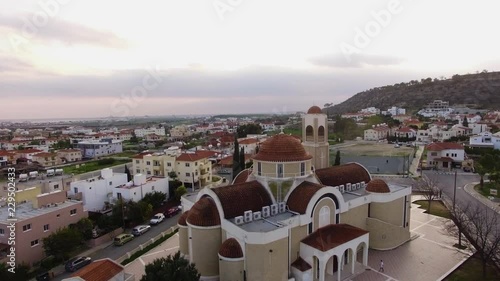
(472, 270)
(437, 208)
(485, 191)
(375, 149)
(125, 154)
(91, 166)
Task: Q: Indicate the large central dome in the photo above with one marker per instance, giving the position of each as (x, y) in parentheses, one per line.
(282, 148)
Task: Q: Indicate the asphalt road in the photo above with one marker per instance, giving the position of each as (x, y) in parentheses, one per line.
(115, 252)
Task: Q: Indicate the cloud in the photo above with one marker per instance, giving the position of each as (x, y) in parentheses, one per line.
(355, 60)
(60, 30)
(11, 64)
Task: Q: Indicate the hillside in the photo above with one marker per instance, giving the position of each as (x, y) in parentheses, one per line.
(481, 90)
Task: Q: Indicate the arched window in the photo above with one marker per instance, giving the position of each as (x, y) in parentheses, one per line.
(324, 216)
(321, 133)
(309, 133)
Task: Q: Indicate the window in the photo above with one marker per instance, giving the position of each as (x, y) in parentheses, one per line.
(280, 170)
(136, 161)
(434, 154)
(169, 164)
(324, 216)
(149, 173)
(34, 243)
(2, 231)
(72, 212)
(58, 215)
(110, 183)
(188, 174)
(56, 186)
(302, 168)
(187, 164)
(259, 168)
(119, 196)
(148, 163)
(138, 171)
(46, 228)
(27, 227)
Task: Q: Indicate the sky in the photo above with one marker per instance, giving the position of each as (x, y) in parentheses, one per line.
(89, 58)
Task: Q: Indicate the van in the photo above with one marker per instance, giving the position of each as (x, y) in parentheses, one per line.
(122, 239)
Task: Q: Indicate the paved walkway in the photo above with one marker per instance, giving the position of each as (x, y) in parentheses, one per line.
(416, 160)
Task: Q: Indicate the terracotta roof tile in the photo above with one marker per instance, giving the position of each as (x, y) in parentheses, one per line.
(378, 186)
(231, 249)
(45, 154)
(342, 174)
(197, 155)
(282, 148)
(248, 141)
(301, 195)
(333, 235)
(438, 146)
(242, 176)
(100, 270)
(204, 213)
(301, 264)
(182, 219)
(314, 110)
(238, 198)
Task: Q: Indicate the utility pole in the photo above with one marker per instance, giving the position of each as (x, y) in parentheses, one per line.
(455, 190)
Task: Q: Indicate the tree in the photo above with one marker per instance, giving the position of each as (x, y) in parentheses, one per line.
(21, 272)
(134, 138)
(252, 128)
(236, 156)
(181, 190)
(171, 268)
(429, 189)
(127, 171)
(479, 225)
(481, 171)
(242, 159)
(155, 199)
(85, 226)
(69, 237)
(465, 123)
(172, 175)
(337, 158)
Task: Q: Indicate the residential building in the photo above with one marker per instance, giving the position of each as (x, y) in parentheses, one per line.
(96, 192)
(370, 110)
(180, 131)
(38, 215)
(437, 108)
(139, 187)
(102, 270)
(96, 149)
(401, 117)
(140, 133)
(394, 110)
(479, 127)
(413, 122)
(485, 139)
(461, 130)
(268, 126)
(6, 157)
(377, 132)
(405, 132)
(249, 145)
(26, 153)
(69, 155)
(47, 159)
(153, 137)
(284, 220)
(445, 155)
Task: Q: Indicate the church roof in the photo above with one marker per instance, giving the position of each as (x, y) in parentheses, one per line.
(333, 235)
(377, 186)
(182, 219)
(204, 213)
(231, 249)
(242, 176)
(238, 198)
(301, 264)
(282, 148)
(301, 195)
(314, 110)
(342, 174)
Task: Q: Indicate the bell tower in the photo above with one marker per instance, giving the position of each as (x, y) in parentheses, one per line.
(315, 137)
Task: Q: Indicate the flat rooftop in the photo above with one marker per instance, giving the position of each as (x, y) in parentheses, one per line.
(148, 180)
(351, 195)
(266, 224)
(26, 211)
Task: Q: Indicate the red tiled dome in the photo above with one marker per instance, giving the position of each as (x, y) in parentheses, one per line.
(301, 195)
(314, 110)
(377, 186)
(182, 219)
(204, 213)
(343, 174)
(231, 249)
(282, 148)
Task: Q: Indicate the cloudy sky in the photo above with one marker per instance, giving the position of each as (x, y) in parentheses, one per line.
(89, 58)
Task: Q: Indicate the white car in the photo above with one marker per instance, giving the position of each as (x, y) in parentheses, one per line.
(140, 229)
(157, 218)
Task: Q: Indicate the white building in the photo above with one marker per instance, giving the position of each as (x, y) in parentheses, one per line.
(104, 147)
(485, 139)
(139, 187)
(437, 108)
(371, 110)
(396, 111)
(444, 155)
(97, 190)
(140, 133)
(479, 127)
(378, 132)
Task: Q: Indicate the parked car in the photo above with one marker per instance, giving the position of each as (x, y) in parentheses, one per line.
(157, 219)
(76, 263)
(172, 212)
(122, 239)
(140, 229)
(397, 146)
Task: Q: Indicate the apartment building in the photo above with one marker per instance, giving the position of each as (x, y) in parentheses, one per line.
(140, 133)
(38, 215)
(104, 147)
(445, 155)
(485, 139)
(378, 132)
(141, 185)
(47, 159)
(69, 155)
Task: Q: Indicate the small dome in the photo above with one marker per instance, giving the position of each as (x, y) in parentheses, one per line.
(377, 186)
(231, 249)
(182, 219)
(204, 213)
(314, 110)
(282, 148)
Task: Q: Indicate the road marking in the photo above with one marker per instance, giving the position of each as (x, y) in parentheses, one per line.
(161, 251)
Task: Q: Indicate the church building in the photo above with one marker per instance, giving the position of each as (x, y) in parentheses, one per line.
(291, 216)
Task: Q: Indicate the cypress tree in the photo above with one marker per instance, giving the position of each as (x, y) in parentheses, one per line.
(236, 156)
(242, 159)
